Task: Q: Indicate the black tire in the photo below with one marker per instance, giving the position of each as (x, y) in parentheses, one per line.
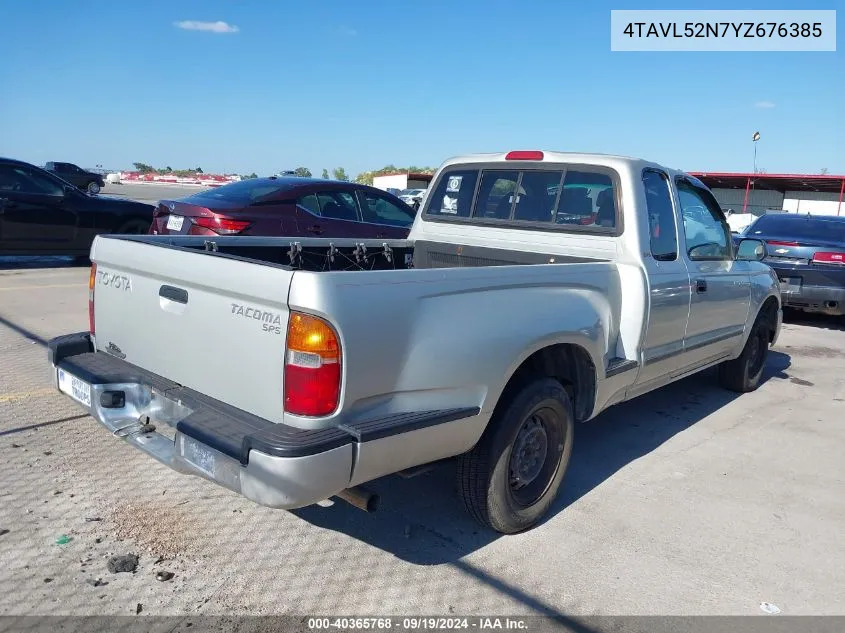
(93, 187)
(134, 227)
(495, 484)
(743, 374)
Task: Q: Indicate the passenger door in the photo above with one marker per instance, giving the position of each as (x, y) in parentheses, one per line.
(33, 213)
(669, 286)
(720, 285)
(387, 219)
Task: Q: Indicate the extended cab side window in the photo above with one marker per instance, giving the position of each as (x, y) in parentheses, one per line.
(707, 234)
(661, 216)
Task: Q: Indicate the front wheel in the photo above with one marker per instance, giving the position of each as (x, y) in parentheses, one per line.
(93, 187)
(744, 373)
(509, 480)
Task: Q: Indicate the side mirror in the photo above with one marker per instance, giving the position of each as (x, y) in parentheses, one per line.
(750, 250)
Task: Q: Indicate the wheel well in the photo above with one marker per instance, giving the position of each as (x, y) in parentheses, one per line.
(770, 309)
(570, 365)
(133, 220)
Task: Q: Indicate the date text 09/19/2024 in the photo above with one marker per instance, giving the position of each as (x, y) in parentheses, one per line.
(418, 623)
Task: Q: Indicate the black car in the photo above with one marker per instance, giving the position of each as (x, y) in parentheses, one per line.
(41, 214)
(808, 254)
(88, 180)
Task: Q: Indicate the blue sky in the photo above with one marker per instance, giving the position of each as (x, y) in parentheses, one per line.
(360, 85)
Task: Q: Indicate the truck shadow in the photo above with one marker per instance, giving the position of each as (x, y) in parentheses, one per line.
(811, 319)
(421, 520)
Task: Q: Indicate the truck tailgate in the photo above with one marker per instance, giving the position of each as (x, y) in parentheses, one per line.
(210, 323)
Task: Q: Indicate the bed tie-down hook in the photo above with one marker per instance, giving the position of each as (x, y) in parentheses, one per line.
(360, 252)
(295, 252)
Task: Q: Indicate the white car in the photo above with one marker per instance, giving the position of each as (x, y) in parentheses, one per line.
(411, 197)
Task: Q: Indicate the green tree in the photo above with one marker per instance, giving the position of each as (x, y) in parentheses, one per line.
(302, 172)
(340, 173)
(168, 169)
(199, 170)
(364, 178)
(325, 174)
(143, 168)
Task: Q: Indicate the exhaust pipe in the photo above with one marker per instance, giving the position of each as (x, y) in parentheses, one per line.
(361, 498)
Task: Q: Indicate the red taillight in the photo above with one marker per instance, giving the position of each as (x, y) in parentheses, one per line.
(92, 278)
(824, 257)
(223, 226)
(312, 366)
(524, 155)
(781, 243)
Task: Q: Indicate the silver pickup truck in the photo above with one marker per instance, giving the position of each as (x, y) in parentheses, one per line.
(535, 290)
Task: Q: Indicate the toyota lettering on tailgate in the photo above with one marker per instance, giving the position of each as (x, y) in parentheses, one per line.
(115, 280)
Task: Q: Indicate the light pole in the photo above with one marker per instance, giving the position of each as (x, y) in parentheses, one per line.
(754, 140)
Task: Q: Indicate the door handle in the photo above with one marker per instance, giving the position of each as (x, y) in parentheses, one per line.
(179, 295)
(701, 285)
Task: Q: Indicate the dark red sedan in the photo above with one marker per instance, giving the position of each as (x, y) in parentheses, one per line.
(286, 206)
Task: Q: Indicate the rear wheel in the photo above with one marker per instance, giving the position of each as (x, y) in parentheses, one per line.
(134, 227)
(744, 373)
(93, 187)
(509, 480)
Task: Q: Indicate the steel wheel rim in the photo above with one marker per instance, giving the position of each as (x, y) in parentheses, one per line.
(535, 457)
(757, 353)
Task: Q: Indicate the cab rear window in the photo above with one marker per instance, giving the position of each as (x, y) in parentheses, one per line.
(563, 199)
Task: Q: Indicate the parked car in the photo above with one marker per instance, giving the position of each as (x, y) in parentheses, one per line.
(42, 214)
(90, 181)
(293, 373)
(739, 221)
(412, 197)
(286, 206)
(808, 254)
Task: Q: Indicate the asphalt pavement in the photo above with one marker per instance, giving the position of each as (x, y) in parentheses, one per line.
(687, 501)
(150, 193)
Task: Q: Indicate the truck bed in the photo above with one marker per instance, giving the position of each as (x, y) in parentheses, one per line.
(213, 316)
(324, 254)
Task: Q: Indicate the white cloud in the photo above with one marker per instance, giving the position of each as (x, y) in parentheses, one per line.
(213, 27)
(348, 31)
(767, 105)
